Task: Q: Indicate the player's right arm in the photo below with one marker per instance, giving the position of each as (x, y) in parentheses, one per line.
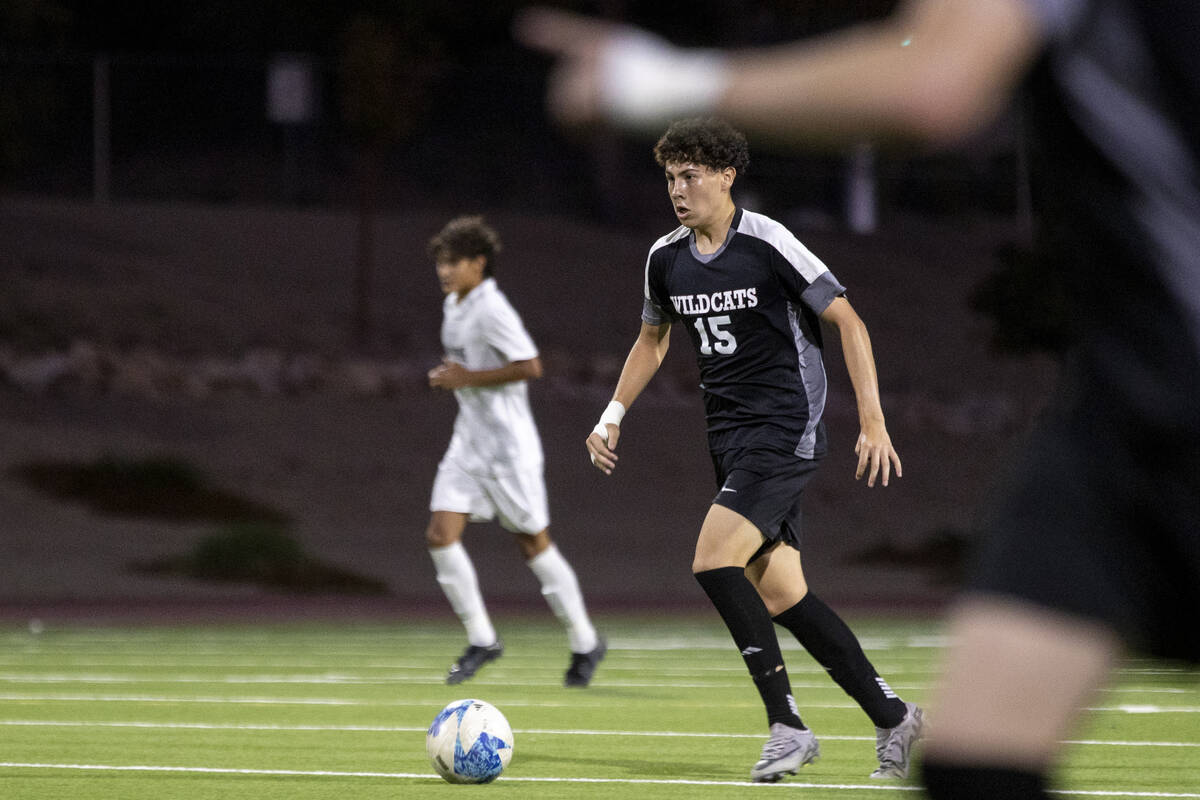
(641, 364)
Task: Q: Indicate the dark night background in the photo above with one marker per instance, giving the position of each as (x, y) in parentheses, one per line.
(214, 299)
(430, 100)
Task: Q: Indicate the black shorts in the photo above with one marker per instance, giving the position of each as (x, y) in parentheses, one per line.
(764, 485)
(1101, 519)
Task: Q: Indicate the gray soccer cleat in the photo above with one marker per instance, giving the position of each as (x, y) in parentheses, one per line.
(786, 751)
(471, 660)
(893, 745)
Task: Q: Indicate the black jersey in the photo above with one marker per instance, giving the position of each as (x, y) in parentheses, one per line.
(751, 310)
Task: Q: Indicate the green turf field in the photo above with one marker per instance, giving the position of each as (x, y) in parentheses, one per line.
(340, 710)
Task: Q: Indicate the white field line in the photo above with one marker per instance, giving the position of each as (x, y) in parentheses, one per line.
(358, 703)
(434, 778)
(355, 703)
(501, 678)
(235, 726)
(535, 661)
(664, 640)
(494, 678)
(337, 678)
(190, 654)
(334, 679)
(400, 657)
(397, 664)
(334, 701)
(232, 726)
(374, 642)
(520, 779)
(736, 671)
(388, 645)
(266, 701)
(381, 647)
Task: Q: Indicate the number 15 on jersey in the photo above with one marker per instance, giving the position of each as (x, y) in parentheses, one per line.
(722, 340)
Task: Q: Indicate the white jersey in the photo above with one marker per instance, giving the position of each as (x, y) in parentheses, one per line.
(494, 432)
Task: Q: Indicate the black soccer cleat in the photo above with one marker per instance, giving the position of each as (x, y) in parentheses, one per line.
(471, 660)
(583, 665)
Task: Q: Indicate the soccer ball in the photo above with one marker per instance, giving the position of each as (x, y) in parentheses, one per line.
(469, 741)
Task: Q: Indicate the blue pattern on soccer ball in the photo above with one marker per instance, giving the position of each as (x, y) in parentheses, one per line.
(480, 764)
(446, 713)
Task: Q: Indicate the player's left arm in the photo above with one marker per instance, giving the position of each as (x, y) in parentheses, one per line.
(876, 455)
(453, 375)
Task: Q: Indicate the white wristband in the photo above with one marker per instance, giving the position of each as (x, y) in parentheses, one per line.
(614, 412)
(646, 81)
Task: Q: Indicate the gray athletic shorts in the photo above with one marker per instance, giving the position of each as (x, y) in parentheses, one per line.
(765, 486)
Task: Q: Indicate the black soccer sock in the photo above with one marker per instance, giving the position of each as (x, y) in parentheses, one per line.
(955, 782)
(750, 625)
(831, 642)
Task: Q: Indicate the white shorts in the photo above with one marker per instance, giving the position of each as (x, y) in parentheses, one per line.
(517, 499)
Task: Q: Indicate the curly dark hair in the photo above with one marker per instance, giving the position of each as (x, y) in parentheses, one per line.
(466, 237)
(708, 141)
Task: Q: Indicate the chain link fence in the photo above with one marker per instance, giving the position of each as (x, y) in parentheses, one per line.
(245, 129)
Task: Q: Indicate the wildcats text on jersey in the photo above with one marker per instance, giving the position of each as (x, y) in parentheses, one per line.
(732, 300)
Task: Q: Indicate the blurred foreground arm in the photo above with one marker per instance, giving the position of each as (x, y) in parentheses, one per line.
(933, 71)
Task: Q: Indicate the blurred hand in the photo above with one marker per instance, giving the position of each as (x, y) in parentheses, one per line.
(449, 375)
(577, 44)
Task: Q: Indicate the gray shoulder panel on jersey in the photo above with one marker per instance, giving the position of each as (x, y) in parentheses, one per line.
(652, 314)
(823, 291)
(773, 233)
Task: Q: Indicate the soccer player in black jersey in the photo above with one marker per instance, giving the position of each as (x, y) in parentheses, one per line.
(1095, 547)
(752, 299)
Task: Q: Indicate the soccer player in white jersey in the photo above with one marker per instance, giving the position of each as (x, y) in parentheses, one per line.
(752, 299)
(493, 466)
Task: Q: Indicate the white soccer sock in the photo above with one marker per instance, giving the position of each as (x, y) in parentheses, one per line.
(561, 590)
(456, 575)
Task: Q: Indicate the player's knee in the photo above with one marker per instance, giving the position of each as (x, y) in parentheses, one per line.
(533, 544)
(774, 605)
(778, 598)
(705, 560)
(437, 535)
